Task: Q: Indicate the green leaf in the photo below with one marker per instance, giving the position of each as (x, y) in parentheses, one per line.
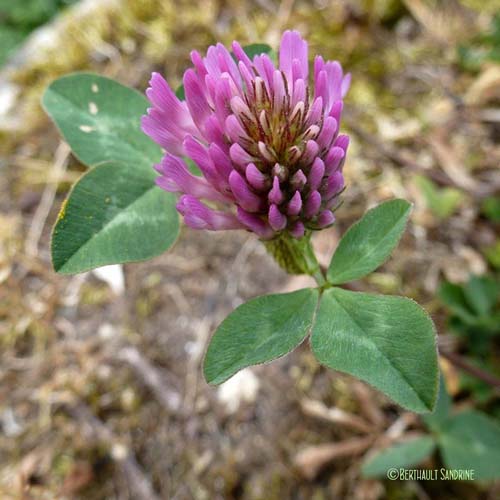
(491, 208)
(482, 293)
(10, 39)
(493, 254)
(472, 304)
(193, 168)
(386, 341)
(180, 93)
(454, 298)
(442, 202)
(470, 58)
(260, 330)
(471, 440)
(406, 454)
(113, 214)
(100, 120)
(441, 413)
(369, 242)
(256, 49)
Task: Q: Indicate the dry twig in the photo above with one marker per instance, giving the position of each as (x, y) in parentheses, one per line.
(480, 189)
(367, 405)
(168, 398)
(138, 482)
(462, 363)
(312, 459)
(48, 196)
(336, 415)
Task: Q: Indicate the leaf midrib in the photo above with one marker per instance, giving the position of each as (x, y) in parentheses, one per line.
(335, 281)
(381, 352)
(280, 324)
(104, 226)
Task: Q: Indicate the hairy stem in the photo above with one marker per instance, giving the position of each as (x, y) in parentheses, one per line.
(296, 256)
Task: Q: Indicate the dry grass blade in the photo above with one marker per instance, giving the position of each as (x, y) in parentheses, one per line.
(152, 378)
(311, 460)
(335, 415)
(445, 21)
(452, 165)
(367, 405)
(48, 196)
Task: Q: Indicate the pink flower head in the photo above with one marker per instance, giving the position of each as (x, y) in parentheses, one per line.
(266, 141)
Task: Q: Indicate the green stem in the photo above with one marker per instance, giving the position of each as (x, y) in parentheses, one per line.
(296, 256)
(319, 277)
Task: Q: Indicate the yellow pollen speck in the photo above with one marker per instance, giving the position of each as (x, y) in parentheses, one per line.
(107, 199)
(62, 212)
(93, 109)
(95, 88)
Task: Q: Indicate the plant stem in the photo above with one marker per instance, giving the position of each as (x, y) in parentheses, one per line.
(319, 277)
(462, 363)
(296, 256)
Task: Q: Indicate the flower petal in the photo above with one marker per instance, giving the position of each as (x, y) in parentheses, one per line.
(346, 83)
(234, 129)
(316, 174)
(326, 218)
(254, 223)
(241, 55)
(298, 230)
(299, 92)
(164, 99)
(336, 111)
(312, 204)
(240, 156)
(295, 204)
(333, 159)
(198, 216)
(221, 161)
(196, 100)
(277, 220)
(327, 134)
(278, 91)
(244, 196)
(256, 178)
(310, 152)
(315, 111)
(292, 47)
(175, 177)
(265, 68)
(198, 153)
(275, 194)
(298, 180)
(161, 136)
(334, 184)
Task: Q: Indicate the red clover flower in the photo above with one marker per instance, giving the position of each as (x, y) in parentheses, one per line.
(266, 142)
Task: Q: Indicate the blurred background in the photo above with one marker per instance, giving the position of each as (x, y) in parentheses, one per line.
(101, 392)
